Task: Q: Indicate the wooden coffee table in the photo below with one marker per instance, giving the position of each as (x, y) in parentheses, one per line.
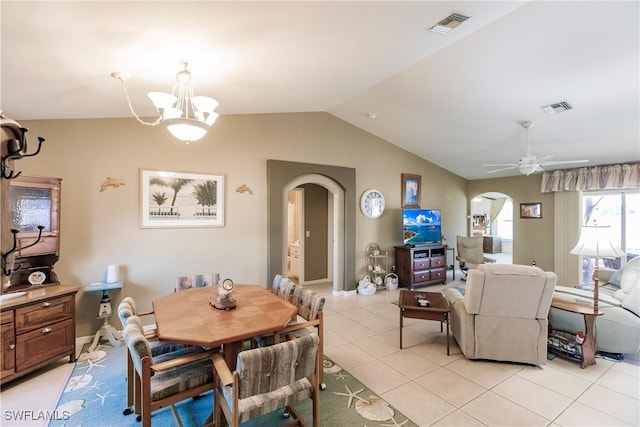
(437, 310)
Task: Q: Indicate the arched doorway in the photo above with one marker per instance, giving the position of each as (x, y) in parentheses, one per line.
(491, 215)
(335, 227)
(341, 182)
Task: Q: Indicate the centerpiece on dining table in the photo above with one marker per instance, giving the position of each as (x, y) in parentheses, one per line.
(223, 300)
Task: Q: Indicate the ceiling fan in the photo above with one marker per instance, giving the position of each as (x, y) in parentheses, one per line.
(529, 163)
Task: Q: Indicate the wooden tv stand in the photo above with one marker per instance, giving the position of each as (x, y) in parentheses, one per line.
(421, 265)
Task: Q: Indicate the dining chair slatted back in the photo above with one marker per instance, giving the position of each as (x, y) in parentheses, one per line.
(266, 379)
(163, 383)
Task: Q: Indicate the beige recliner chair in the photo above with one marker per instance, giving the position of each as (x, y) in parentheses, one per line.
(470, 253)
(503, 313)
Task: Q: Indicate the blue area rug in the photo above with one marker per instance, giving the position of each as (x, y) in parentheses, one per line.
(95, 395)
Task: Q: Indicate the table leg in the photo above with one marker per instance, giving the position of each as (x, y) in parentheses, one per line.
(447, 322)
(400, 329)
(230, 352)
(589, 345)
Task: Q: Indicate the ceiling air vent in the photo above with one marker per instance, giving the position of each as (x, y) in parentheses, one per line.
(557, 108)
(449, 23)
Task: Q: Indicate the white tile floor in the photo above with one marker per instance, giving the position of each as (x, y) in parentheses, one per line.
(421, 381)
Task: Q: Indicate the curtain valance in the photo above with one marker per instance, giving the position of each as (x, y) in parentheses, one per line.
(609, 177)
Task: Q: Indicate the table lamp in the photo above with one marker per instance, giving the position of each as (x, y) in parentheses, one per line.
(595, 241)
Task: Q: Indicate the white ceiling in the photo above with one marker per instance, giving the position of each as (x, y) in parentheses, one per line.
(454, 99)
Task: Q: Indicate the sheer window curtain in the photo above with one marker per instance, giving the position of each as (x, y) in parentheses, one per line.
(494, 211)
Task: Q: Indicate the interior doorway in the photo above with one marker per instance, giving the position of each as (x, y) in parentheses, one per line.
(492, 217)
(295, 227)
(299, 232)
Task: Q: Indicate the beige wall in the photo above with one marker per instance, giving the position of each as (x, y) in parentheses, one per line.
(532, 238)
(101, 228)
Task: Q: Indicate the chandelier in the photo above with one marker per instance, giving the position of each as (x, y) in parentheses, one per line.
(187, 117)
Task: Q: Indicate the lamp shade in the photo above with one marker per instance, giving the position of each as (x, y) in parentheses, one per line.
(596, 241)
(187, 130)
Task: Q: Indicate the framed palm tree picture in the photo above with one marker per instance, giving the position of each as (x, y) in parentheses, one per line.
(176, 199)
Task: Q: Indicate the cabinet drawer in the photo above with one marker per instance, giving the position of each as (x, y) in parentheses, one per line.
(421, 264)
(45, 312)
(6, 317)
(437, 261)
(46, 245)
(45, 343)
(421, 276)
(438, 274)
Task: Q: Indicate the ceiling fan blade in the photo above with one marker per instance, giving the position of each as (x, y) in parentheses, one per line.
(561, 162)
(502, 164)
(543, 159)
(502, 169)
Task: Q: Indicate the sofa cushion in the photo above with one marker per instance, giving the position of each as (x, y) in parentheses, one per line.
(632, 301)
(615, 278)
(588, 295)
(630, 276)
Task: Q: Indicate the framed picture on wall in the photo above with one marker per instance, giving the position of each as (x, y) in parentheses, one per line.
(411, 190)
(175, 199)
(530, 210)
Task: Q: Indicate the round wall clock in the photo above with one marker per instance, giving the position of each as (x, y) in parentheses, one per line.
(372, 203)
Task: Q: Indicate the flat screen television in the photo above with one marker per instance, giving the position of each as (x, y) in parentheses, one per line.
(421, 227)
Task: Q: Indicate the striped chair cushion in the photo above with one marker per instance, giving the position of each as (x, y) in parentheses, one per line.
(265, 403)
(272, 377)
(171, 381)
(138, 345)
(181, 378)
(309, 302)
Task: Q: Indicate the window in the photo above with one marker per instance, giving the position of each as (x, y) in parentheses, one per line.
(504, 222)
(621, 211)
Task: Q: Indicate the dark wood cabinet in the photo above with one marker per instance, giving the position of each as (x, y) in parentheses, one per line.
(7, 344)
(35, 202)
(37, 328)
(421, 265)
(492, 245)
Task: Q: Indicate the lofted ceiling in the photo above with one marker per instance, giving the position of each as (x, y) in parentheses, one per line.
(455, 99)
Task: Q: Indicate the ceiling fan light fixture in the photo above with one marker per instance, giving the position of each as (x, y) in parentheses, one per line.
(528, 169)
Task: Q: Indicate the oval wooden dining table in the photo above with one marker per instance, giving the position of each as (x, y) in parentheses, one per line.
(188, 317)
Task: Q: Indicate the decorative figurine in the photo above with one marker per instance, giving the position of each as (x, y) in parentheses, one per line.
(224, 300)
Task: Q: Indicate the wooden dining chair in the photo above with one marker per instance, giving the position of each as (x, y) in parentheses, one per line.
(126, 309)
(309, 320)
(266, 379)
(196, 281)
(285, 291)
(275, 286)
(159, 384)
